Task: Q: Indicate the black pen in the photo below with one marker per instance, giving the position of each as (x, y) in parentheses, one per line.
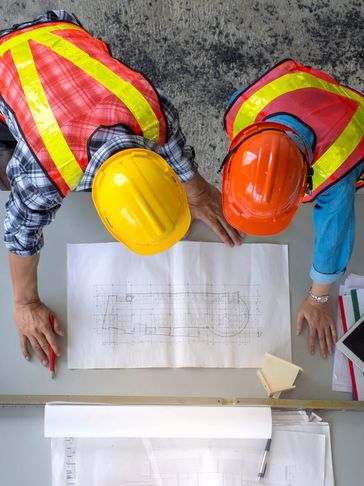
(263, 466)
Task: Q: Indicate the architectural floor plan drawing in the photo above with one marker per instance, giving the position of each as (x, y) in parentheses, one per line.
(296, 459)
(154, 313)
(195, 305)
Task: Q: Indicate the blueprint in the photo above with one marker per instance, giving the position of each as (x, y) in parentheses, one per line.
(154, 445)
(195, 305)
(296, 459)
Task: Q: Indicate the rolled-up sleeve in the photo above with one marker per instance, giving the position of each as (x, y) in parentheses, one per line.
(24, 225)
(32, 204)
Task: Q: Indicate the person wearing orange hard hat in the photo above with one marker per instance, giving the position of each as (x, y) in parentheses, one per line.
(74, 118)
(297, 135)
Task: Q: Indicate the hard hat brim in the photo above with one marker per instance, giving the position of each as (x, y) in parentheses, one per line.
(258, 228)
(175, 237)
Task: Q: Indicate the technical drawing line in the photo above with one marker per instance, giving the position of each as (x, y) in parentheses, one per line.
(124, 312)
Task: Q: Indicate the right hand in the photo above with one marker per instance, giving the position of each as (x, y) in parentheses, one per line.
(205, 204)
(34, 328)
(321, 323)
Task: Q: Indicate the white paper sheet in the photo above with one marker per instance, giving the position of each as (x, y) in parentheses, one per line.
(297, 421)
(340, 375)
(80, 420)
(300, 452)
(295, 459)
(195, 305)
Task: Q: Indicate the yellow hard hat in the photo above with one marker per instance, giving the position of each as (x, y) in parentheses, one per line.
(141, 201)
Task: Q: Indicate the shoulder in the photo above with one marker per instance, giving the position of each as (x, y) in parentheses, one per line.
(49, 16)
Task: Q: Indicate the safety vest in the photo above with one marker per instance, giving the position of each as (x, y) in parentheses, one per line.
(62, 84)
(334, 113)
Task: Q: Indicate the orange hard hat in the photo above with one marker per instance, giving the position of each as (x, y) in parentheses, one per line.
(265, 178)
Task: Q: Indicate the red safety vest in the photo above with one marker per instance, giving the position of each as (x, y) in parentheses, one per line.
(334, 113)
(62, 84)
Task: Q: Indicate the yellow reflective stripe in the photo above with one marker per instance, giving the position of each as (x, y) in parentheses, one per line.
(250, 108)
(125, 91)
(26, 36)
(43, 116)
(340, 150)
(343, 146)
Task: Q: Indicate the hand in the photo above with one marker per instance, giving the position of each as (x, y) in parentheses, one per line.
(32, 322)
(321, 323)
(205, 204)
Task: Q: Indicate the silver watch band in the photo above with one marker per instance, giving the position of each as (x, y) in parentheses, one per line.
(321, 299)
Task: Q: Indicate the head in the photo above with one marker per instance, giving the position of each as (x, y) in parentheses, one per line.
(265, 178)
(141, 201)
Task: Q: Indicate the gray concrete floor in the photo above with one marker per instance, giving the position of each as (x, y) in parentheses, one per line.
(200, 51)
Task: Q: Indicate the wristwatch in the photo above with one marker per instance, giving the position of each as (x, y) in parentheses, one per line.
(321, 299)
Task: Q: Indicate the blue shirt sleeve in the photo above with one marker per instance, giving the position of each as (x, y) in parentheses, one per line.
(235, 95)
(334, 221)
(333, 216)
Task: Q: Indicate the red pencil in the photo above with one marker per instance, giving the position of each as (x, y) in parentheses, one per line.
(52, 360)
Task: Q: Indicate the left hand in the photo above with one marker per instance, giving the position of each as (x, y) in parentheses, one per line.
(205, 204)
(321, 323)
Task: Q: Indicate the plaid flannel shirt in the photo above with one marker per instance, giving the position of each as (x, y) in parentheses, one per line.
(34, 199)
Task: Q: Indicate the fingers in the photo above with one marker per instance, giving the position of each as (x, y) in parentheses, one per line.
(225, 237)
(56, 327)
(322, 342)
(52, 340)
(41, 343)
(312, 339)
(324, 337)
(227, 234)
(24, 347)
(38, 350)
(205, 204)
(233, 235)
(320, 320)
(34, 326)
(299, 323)
(329, 340)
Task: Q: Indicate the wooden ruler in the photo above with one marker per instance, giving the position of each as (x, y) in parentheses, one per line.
(140, 400)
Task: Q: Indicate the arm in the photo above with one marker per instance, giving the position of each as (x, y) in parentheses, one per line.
(334, 221)
(32, 204)
(30, 314)
(204, 199)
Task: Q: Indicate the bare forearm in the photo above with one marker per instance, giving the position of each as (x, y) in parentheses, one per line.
(320, 289)
(23, 270)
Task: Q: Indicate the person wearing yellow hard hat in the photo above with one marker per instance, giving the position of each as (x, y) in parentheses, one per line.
(297, 135)
(141, 201)
(79, 120)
